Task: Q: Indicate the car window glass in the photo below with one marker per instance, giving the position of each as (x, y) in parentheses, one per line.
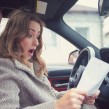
(56, 49)
(84, 18)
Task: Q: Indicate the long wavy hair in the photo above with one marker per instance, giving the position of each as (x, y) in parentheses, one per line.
(17, 29)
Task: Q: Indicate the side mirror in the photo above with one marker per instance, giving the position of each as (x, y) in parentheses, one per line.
(73, 57)
(103, 7)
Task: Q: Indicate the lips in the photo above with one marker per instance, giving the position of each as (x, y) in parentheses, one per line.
(31, 51)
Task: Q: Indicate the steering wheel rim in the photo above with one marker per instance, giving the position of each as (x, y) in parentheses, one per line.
(79, 66)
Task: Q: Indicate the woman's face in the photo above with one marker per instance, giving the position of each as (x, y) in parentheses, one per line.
(30, 43)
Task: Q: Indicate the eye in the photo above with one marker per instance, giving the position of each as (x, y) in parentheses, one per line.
(30, 33)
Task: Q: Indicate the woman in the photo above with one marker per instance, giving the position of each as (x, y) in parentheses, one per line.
(23, 81)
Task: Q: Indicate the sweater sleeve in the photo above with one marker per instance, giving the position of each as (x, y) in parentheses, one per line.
(9, 93)
(55, 92)
(47, 105)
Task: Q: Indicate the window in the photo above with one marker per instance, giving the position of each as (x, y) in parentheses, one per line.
(56, 49)
(83, 17)
(50, 38)
(83, 31)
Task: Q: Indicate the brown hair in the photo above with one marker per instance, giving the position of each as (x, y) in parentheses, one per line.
(16, 30)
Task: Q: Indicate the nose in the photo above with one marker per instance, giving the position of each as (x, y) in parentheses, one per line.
(35, 42)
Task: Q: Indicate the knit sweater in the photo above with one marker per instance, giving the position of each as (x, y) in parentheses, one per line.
(21, 89)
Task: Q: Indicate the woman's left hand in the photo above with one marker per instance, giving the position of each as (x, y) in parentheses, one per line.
(91, 99)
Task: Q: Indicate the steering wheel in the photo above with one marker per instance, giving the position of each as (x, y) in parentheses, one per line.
(79, 66)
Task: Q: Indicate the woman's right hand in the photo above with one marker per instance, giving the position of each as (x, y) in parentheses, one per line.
(73, 99)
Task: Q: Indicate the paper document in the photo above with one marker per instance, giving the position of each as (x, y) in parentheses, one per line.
(93, 75)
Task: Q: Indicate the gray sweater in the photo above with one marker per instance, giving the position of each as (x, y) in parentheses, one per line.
(21, 89)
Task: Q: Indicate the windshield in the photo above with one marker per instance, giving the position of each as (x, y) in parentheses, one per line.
(84, 18)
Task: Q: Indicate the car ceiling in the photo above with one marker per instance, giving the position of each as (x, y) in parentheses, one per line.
(51, 8)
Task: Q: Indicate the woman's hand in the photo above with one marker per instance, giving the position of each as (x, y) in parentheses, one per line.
(73, 99)
(91, 99)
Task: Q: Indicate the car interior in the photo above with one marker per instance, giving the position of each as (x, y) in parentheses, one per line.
(52, 14)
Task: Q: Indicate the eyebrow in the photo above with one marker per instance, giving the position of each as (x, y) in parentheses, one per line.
(34, 30)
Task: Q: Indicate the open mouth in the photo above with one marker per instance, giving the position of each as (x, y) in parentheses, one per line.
(31, 51)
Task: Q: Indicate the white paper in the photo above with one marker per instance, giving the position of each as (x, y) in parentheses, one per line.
(93, 75)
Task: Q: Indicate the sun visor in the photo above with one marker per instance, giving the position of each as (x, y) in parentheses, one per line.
(39, 8)
(3, 24)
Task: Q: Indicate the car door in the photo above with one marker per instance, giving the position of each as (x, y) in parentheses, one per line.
(59, 76)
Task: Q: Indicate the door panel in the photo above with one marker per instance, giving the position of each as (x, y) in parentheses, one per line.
(59, 78)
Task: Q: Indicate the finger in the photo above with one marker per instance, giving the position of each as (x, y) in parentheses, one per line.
(78, 96)
(92, 101)
(81, 97)
(82, 92)
(76, 101)
(76, 106)
(94, 96)
(96, 93)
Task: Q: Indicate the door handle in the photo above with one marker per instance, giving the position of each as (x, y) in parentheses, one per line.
(61, 85)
